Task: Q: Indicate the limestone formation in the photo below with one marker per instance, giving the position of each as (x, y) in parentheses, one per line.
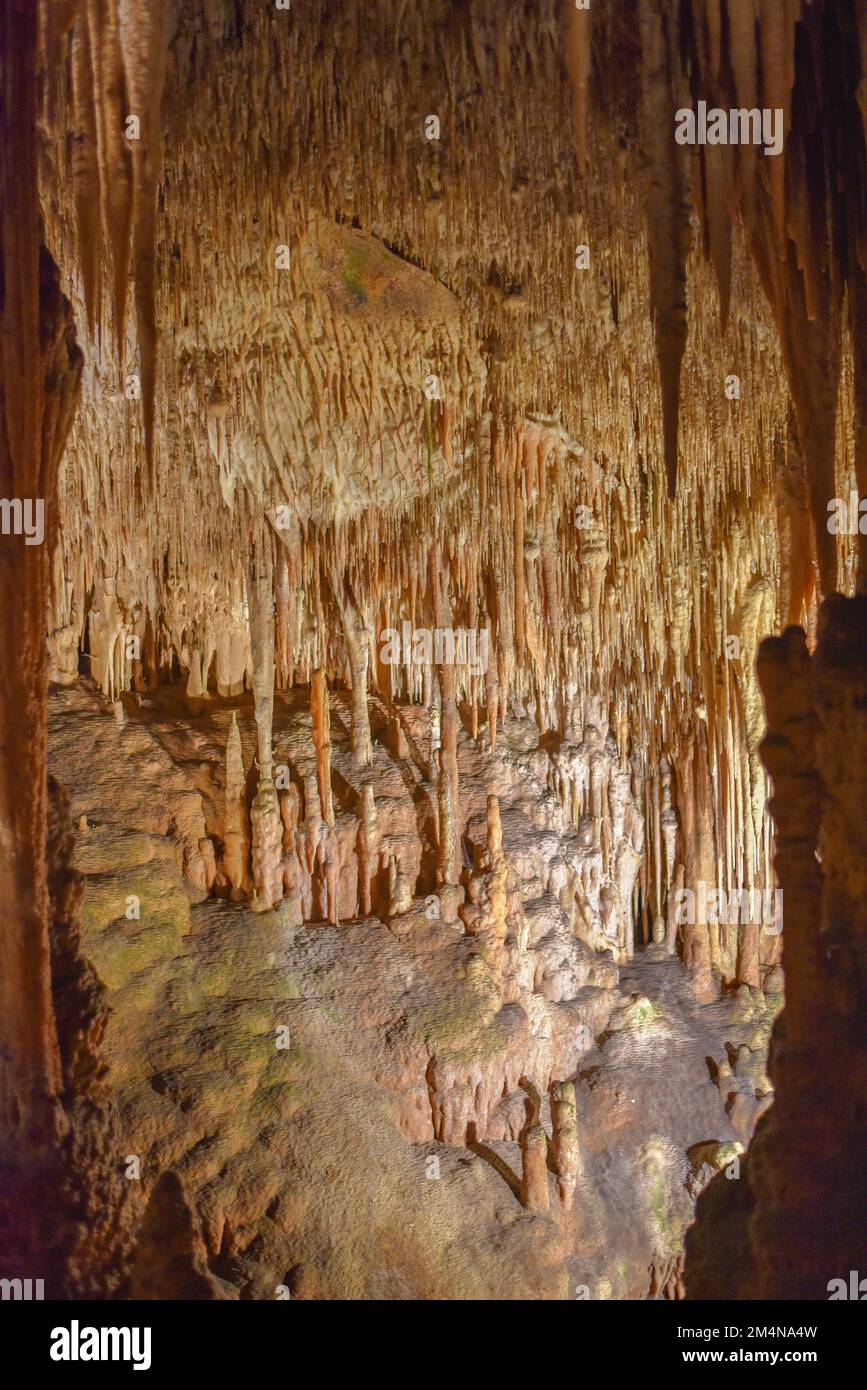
(534, 1169)
(236, 818)
(322, 741)
(433, 457)
(535, 1193)
(368, 845)
(170, 1259)
(565, 1154)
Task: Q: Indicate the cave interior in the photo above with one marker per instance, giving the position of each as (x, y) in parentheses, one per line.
(433, 571)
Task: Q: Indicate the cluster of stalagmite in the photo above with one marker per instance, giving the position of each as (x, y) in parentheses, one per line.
(495, 904)
(425, 447)
(560, 1154)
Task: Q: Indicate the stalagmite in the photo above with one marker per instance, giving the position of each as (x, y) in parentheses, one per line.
(267, 848)
(399, 890)
(262, 647)
(313, 847)
(355, 631)
(492, 697)
(534, 1169)
(695, 803)
(447, 757)
(330, 860)
(789, 754)
(435, 739)
(291, 863)
(448, 843)
(565, 1153)
(267, 827)
(368, 846)
(319, 710)
(494, 902)
(495, 832)
(535, 1193)
(236, 834)
(170, 1259)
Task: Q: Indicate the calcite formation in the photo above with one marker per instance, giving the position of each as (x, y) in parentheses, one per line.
(402, 503)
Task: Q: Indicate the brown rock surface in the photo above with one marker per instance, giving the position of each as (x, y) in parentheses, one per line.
(796, 1224)
(411, 424)
(301, 1080)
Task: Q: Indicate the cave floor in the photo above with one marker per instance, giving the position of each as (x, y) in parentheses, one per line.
(316, 1086)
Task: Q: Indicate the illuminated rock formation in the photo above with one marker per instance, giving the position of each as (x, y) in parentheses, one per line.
(565, 1154)
(236, 820)
(397, 495)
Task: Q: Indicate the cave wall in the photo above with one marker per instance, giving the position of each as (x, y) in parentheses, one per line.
(795, 1224)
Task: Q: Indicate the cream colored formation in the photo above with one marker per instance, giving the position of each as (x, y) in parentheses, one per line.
(470, 432)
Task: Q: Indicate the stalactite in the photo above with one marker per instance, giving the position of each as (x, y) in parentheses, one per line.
(578, 63)
(777, 35)
(667, 221)
(742, 50)
(114, 158)
(85, 171)
(144, 45)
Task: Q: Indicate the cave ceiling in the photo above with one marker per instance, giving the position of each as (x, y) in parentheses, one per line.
(546, 364)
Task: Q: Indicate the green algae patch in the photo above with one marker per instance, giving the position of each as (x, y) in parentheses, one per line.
(137, 915)
(658, 1169)
(354, 269)
(126, 950)
(638, 1014)
(110, 849)
(458, 1020)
